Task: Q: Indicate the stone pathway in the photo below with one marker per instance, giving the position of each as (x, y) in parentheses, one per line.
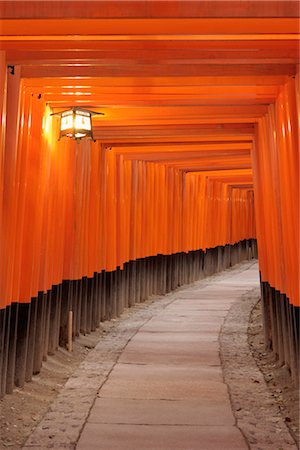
(167, 390)
(156, 381)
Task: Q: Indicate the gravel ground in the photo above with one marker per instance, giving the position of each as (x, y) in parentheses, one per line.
(256, 409)
(277, 377)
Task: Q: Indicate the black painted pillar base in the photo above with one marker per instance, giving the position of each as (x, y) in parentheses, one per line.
(30, 332)
(281, 328)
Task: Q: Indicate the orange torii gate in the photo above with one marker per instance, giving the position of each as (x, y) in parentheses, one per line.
(195, 157)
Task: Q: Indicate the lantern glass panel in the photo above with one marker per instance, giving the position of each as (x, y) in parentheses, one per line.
(67, 121)
(82, 121)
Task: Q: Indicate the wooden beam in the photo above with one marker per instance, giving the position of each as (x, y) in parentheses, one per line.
(154, 70)
(158, 8)
(149, 27)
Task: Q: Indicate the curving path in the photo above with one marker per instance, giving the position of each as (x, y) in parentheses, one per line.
(166, 391)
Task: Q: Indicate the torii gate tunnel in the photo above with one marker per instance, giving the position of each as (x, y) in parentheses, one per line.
(195, 159)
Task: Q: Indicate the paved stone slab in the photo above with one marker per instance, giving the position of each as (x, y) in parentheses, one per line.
(187, 353)
(177, 346)
(192, 317)
(164, 382)
(187, 317)
(162, 326)
(175, 336)
(203, 309)
(205, 306)
(213, 292)
(165, 412)
(144, 437)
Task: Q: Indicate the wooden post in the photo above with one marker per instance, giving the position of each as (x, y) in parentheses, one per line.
(22, 343)
(31, 339)
(103, 296)
(70, 331)
(265, 300)
(5, 349)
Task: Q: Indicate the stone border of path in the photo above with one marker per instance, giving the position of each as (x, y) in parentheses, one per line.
(255, 409)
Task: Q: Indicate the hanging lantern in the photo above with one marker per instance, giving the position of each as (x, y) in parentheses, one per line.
(76, 123)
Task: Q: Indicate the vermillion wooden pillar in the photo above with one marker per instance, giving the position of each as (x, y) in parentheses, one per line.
(3, 311)
(9, 217)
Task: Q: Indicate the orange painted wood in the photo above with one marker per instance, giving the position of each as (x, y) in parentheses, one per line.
(10, 187)
(3, 94)
(276, 173)
(149, 26)
(189, 92)
(159, 8)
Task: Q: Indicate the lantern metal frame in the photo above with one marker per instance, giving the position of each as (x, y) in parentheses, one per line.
(73, 131)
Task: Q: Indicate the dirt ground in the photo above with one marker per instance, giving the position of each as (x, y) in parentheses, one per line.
(23, 410)
(278, 378)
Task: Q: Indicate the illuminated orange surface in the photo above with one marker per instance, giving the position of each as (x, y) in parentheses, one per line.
(194, 95)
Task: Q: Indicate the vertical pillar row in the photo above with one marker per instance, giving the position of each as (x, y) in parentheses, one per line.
(281, 328)
(30, 332)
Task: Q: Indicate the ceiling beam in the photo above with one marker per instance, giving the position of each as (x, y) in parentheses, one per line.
(154, 70)
(137, 9)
